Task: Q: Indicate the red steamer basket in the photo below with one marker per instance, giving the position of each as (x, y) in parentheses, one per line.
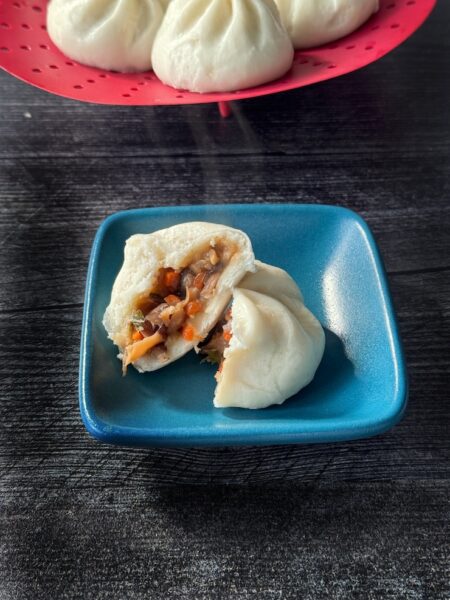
(27, 52)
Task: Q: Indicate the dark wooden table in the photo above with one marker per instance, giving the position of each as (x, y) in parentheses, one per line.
(366, 519)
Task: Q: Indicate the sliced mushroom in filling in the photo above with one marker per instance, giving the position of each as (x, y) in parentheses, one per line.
(169, 307)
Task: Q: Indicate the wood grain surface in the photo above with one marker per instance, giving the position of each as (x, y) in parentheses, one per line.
(365, 519)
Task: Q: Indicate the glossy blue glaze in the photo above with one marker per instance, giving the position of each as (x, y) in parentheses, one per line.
(360, 388)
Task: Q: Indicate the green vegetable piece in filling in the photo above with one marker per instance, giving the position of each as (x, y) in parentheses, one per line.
(137, 320)
(212, 356)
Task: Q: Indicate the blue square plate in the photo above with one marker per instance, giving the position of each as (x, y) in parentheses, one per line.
(360, 388)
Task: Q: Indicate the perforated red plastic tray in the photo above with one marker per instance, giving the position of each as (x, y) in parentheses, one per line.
(27, 53)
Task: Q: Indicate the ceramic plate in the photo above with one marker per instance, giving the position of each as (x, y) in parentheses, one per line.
(360, 388)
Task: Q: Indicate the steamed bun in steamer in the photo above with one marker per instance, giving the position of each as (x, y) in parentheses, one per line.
(109, 34)
(221, 45)
(315, 22)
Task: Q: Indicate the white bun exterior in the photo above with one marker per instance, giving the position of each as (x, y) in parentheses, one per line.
(174, 247)
(221, 45)
(315, 22)
(277, 343)
(109, 34)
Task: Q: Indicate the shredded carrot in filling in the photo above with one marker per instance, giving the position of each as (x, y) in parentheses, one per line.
(135, 351)
(137, 335)
(194, 307)
(227, 335)
(172, 299)
(188, 333)
(172, 279)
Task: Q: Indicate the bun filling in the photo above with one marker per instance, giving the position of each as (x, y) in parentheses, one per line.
(213, 348)
(169, 308)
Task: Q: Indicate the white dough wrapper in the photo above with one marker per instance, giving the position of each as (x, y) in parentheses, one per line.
(276, 346)
(221, 45)
(116, 35)
(315, 22)
(175, 248)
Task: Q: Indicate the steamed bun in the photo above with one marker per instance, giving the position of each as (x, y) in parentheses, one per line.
(276, 343)
(109, 34)
(315, 22)
(218, 254)
(221, 45)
